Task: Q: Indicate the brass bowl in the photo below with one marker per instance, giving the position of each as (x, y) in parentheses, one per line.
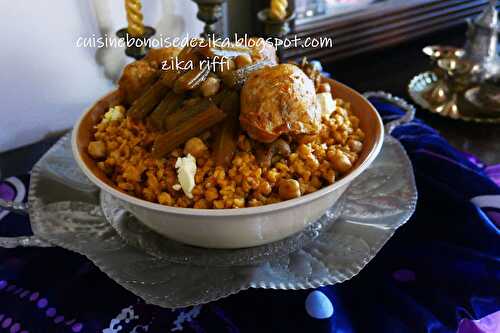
(439, 52)
(436, 52)
(455, 66)
(459, 74)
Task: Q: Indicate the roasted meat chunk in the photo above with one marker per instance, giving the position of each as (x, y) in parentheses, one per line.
(157, 56)
(136, 79)
(279, 100)
(138, 76)
(262, 51)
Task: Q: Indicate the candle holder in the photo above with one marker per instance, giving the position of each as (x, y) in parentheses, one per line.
(137, 47)
(460, 74)
(276, 28)
(209, 12)
(438, 52)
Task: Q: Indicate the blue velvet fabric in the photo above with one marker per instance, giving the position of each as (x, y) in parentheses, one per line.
(439, 273)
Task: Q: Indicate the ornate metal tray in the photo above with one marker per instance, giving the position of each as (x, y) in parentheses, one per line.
(66, 210)
(468, 109)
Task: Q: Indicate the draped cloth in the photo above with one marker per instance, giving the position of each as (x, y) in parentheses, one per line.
(439, 273)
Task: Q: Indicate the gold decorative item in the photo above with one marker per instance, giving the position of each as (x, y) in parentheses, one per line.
(437, 52)
(210, 12)
(274, 28)
(449, 108)
(456, 79)
(459, 73)
(464, 83)
(455, 76)
(419, 88)
(135, 18)
(278, 10)
(439, 94)
(136, 34)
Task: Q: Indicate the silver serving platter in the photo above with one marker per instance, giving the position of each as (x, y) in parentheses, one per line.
(67, 210)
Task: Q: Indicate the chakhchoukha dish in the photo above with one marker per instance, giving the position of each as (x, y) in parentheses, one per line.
(212, 128)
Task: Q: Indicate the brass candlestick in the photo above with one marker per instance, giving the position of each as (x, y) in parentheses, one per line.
(276, 28)
(137, 47)
(210, 12)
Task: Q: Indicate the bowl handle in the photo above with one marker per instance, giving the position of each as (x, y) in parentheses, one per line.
(407, 107)
(15, 207)
(21, 241)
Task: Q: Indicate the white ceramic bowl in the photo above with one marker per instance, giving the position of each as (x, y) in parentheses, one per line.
(232, 228)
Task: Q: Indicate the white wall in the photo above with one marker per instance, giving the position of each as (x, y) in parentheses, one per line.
(45, 80)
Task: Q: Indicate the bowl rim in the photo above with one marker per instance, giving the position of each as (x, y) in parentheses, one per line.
(234, 211)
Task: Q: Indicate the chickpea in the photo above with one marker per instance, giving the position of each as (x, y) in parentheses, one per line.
(305, 139)
(265, 188)
(239, 202)
(219, 204)
(211, 194)
(355, 145)
(195, 147)
(340, 161)
(324, 88)
(165, 199)
(243, 60)
(316, 182)
(342, 112)
(330, 176)
(289, 189)
(354, 121)
(359, 134)
(304, 150)
(97, 149)
(339, 137)
(210, 87)
(202, 203)
(272, 175)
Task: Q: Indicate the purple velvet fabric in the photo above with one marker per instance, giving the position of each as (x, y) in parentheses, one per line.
(487, 324)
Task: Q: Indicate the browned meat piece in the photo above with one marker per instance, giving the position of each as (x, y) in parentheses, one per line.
(138, 76)
(263, 51)
(136, 79)
(278, 100)
(97, 149)
(157, 56)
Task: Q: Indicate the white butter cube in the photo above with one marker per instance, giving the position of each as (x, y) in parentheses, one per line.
(186, 170)
(115, 113)
(326, 103)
